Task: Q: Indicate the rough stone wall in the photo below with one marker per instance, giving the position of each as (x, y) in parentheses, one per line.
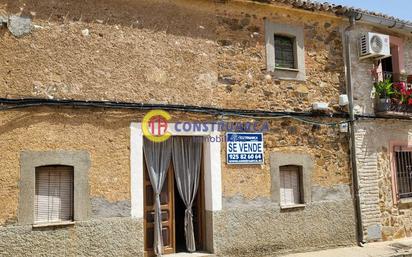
(361, 75)
(383, 219)
(108, 237)
(408, 54)
(147, 51)
(263, 229)
(105, 135)
(367, 165)
(327, 147)
(328, 221)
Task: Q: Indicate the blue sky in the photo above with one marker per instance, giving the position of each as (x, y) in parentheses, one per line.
(398, 8)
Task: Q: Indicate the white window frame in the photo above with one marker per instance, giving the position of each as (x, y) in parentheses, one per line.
(295, 32)
(302, 160)
(29, 160)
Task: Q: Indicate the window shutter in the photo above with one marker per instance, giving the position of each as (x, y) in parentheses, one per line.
(54, 194)
(289, 185)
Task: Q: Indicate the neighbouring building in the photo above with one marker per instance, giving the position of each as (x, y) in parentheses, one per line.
(382, 132)
(77, 78)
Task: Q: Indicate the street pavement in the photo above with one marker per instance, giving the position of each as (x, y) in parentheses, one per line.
(397, 248)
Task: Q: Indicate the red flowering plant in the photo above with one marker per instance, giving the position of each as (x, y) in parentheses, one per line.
(403, 92)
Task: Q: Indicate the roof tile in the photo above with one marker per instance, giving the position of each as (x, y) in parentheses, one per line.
(336, 9)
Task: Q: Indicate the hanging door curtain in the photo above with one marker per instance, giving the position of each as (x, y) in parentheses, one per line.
(157, 156)
(187, 155)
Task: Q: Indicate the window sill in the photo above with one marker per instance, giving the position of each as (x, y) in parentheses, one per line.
(54, 224)
(288, 74)
(405, 200)
(286, 69)
(292, 206)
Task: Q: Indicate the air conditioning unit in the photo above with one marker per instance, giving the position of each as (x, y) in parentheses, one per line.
(374, 45)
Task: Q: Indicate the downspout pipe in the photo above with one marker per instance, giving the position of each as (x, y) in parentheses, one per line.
(349, 81)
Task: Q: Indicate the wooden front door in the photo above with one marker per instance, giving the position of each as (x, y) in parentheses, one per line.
(166, 201)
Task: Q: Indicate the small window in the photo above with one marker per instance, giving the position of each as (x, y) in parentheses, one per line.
(290, 192)
(284, 52)
(403, 159)
(54, 194)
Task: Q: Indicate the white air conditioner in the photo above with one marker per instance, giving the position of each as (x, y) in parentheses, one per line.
(374, 45)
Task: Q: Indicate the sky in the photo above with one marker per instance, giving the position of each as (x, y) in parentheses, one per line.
(398, 8)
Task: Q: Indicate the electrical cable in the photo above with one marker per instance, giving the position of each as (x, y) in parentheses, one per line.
(10, 104)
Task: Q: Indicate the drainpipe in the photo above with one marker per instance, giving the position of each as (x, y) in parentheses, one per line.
(382, 21)
(355, 181)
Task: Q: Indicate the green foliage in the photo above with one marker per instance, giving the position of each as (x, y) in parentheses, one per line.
(384, 89)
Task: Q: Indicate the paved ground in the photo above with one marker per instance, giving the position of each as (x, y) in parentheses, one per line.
(398, 248)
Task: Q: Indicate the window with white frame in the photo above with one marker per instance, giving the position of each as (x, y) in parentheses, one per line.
(285, 51)
(403, 164)
(291, 175)
(290, 185)
(53, 194)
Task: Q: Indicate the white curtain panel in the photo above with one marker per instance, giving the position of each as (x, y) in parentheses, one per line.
(187, 156)
(157, 157)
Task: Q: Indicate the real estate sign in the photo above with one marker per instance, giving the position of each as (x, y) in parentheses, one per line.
(244, 148)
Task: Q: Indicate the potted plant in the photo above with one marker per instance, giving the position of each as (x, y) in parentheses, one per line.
(395, 97)
(384, 91)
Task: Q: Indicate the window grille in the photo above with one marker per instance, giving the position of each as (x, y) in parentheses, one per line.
(284, 52)
(403, 161)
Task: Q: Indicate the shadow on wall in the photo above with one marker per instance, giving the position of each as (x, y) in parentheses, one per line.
(232, 65)
(68, 117)
(156, 15)
(377, 137)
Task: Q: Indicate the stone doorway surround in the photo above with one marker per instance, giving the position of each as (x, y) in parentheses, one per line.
(212, 173)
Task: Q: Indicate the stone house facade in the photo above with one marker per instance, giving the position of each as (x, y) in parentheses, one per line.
(382, 137)
(77, 78)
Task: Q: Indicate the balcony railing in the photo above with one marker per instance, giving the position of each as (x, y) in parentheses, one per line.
(391, 109)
